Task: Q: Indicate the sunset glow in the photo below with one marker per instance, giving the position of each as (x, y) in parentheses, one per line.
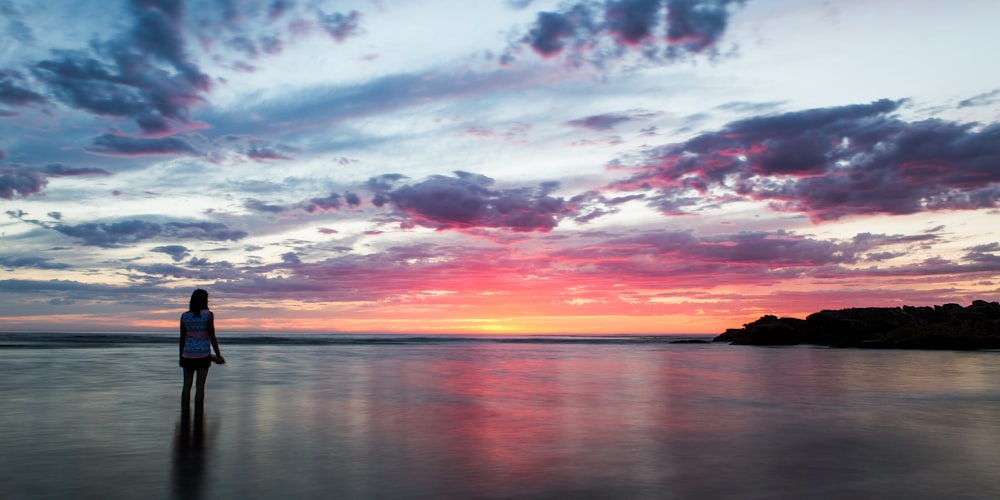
(521, 167)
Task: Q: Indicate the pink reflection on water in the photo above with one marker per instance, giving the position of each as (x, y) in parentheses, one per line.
(495, 420)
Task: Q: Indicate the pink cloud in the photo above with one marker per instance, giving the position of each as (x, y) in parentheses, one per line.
(829, 163)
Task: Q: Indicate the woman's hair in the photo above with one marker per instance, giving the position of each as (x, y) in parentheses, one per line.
(199, 302)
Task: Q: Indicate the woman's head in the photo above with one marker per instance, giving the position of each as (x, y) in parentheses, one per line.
(199, 301)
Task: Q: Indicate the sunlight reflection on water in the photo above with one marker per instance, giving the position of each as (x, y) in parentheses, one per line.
(494, 420)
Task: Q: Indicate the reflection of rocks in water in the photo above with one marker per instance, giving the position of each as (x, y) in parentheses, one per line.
(189, 457)
(950, 326)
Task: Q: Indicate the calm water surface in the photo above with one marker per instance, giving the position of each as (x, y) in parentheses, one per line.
(465, 420)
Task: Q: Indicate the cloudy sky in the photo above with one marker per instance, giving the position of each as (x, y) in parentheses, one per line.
(494, 166)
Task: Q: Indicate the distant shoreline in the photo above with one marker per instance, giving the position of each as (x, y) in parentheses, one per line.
(939, 327)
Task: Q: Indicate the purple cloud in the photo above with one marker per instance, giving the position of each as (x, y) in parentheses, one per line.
(686, 259)
(606, 121)
(467, 202)
(339, 26)
(352, 199)
(985, 254)
(831, 163)
(332, 202)
(249, 31)
(23, 181)
(552, 30)
(597, 31)
(19, 182)
(116, 145)
(143, 75)
(290, 258)
(260, 206)
(176, 252)
(14, 91)
(119, 234)
(263, 153)
(983, 99)
(12, 262)
(208, 231)
(696, 25)
(114, 234)
(251, 147)
(633, 21)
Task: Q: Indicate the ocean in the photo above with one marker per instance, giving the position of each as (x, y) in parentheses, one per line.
(435, 417)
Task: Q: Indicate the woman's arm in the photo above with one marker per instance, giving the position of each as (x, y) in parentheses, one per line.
(184, 334)
(211, 334)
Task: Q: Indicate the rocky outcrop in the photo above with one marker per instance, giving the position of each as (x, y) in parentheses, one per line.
(948, 326)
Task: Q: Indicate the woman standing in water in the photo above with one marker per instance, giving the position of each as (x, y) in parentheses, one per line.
(197, 336)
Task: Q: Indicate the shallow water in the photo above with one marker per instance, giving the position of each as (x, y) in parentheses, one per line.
(424, 419)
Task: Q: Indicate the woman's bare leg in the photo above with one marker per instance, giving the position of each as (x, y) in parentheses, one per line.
(199, 395)
(186, 391)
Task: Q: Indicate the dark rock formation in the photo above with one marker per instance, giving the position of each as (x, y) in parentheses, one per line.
(948, 326)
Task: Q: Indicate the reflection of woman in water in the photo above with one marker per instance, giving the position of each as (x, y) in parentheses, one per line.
(197, 337)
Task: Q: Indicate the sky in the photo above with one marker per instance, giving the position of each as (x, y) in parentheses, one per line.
(497, 166)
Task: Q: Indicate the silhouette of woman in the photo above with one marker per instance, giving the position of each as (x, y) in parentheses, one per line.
(197, 336)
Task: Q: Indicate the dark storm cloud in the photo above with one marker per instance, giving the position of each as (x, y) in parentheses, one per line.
(23, 181)
(832, 162)
(659, 28)
(143, 74)
(115, 145)
(119, 234)
(467, 201)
